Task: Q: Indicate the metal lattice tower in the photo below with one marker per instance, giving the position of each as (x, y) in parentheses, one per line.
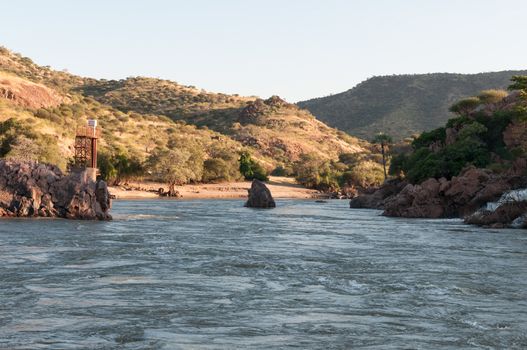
(86, 145)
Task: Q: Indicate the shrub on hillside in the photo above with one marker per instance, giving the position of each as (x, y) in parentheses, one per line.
(492, 96)
(251, 169)
(365, 174)
(465, 106)
(17, 141)
(282, 170)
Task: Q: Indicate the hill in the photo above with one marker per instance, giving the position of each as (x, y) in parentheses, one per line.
(401, 105)
(276, 129)
(145, 118)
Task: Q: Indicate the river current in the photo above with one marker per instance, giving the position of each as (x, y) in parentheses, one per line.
(210, 274)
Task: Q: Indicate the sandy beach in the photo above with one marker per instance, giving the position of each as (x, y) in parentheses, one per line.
(280, 187)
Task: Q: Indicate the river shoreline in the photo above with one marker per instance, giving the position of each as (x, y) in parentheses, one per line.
(280, 187)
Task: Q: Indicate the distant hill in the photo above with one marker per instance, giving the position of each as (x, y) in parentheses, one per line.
(40, 109)
(401, 105)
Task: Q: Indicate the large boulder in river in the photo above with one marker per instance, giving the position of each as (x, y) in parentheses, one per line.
(31, 189)
(259, 196)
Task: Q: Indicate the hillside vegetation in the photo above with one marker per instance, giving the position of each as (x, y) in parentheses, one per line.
(489, 131)
(276, 129)
(401, 105)
(148, 124)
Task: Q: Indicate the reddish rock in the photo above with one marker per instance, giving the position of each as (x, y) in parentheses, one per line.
(416, 201)
(459, 197)
(503, 215)
(376, 199)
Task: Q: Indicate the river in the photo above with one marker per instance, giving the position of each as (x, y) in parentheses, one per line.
(210, 274)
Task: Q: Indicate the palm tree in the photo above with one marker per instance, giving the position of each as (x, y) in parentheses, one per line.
(383, 140)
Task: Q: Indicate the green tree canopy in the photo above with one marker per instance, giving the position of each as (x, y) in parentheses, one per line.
(519, 82)
(251, 169)
(465, 106)
(175, 166)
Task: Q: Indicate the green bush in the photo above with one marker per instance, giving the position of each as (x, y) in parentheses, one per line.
(250, 169)
(216, 170)
(428, 138)
(313, 172)
(17, 141)
(519, 82)
(465, 106)
(282, 170)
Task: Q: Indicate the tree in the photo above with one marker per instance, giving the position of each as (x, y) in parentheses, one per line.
(383, 140)
(106, 168)
(313, 172)
(175, 167)
(519, 82)
(250, 169)
(216, 170)
(465, 106)
(126, 167)
(364, 174)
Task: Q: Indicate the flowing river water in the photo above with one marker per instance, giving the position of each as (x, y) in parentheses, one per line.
(210, 274)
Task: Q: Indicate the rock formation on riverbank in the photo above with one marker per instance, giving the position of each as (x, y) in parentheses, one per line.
(259, 196)
(458, 197)
(509, 210)
(467, 196)
(31, 189)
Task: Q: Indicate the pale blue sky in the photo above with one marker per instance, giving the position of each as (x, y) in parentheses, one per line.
(297, 49)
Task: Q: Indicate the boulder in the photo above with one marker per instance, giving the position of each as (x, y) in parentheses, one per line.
(103, 200)
(30, 189)
(417, 201)
(505, 215)
(376, 199)
(509, 211)
(259, 196)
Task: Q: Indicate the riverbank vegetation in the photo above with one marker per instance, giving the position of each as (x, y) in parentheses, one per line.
(489, 131)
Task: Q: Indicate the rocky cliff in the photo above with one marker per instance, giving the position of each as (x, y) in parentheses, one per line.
(31, 189)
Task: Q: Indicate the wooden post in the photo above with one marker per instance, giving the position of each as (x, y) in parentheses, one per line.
(94, 153)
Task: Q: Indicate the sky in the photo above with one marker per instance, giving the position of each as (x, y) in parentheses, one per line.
(297, 49)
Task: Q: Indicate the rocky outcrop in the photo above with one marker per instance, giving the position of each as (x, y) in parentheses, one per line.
(28, 94)
(509, 211)
(459, 197)
(417, 201)
(375, 199)
(255, 112)
(30, 189)
(259, 196)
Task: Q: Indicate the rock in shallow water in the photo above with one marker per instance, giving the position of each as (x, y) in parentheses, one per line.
(259, 196)
(30, 189)
(509, 211)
